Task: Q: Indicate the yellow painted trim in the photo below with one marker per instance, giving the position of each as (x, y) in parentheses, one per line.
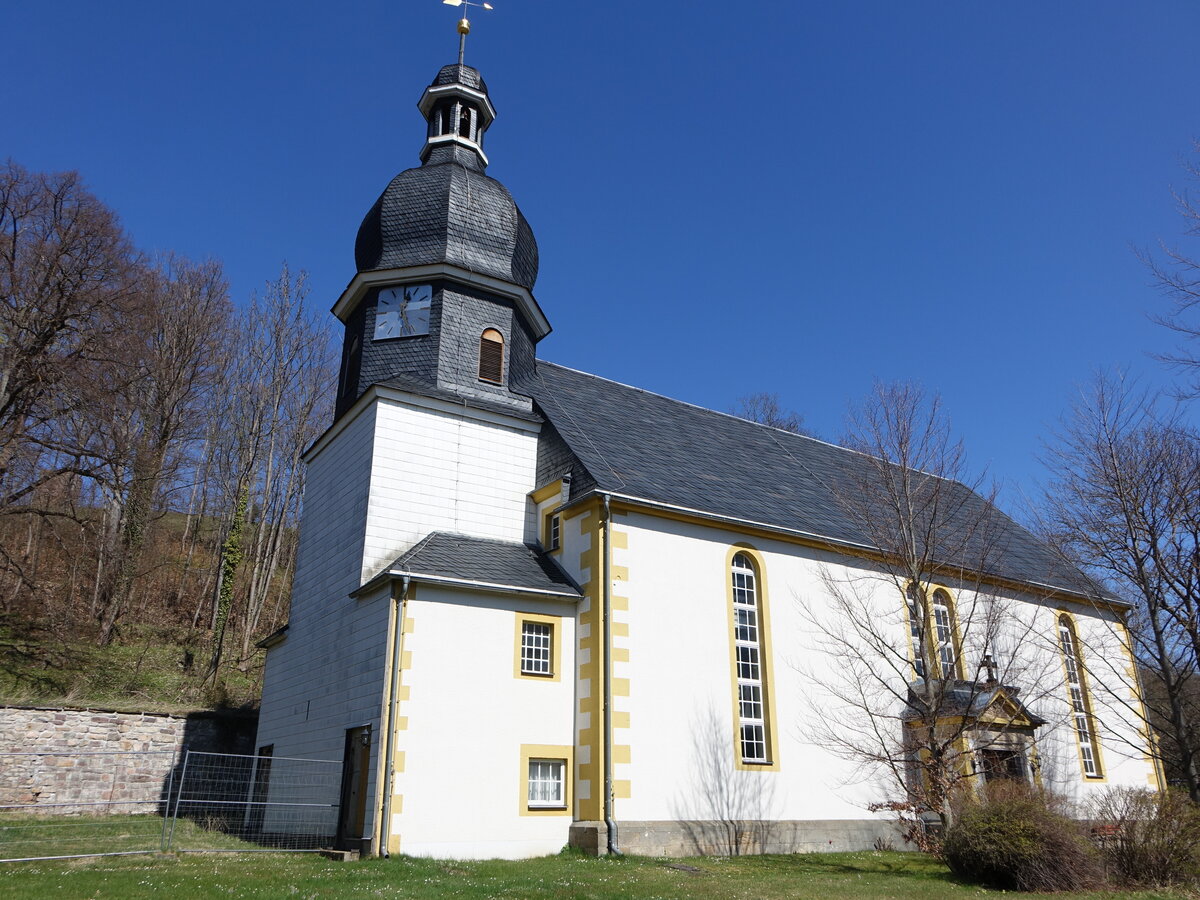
(622, 789)
(620, 719)
(556, 633)
(562, 753)
(544, 493)
(1153, 756)
(766, 659)
(590, 808)
(381, 833)
(620, 654)
(1081, 667)
(620, 539)
(750, 530)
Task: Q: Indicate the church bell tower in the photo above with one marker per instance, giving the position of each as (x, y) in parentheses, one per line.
(442, 303)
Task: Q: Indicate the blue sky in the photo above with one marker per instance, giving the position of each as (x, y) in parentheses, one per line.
(791, 197)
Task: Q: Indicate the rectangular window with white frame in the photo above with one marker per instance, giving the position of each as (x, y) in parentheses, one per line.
(537, 654)
(547, 784)
(545, 780)
(537, 640)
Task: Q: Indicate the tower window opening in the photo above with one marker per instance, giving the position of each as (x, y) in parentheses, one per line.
(491, 356)
(464, 122)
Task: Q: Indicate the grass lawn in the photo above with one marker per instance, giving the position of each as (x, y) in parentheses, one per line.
(830, 876)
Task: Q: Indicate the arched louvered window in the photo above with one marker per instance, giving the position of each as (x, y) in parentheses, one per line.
(938, 622)
(464, 121)
(1077, 696)
(750, 666)
(491, 356)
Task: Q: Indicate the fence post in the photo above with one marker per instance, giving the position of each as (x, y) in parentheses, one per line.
(182, 782)
(162, 842)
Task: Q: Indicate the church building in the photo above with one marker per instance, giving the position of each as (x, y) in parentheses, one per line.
(535, 607)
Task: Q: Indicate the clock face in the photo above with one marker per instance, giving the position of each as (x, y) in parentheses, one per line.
(402, 311)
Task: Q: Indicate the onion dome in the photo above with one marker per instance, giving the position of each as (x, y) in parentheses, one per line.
(447, 210)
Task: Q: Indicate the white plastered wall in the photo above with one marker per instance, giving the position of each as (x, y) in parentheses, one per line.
(680, 700)
(437, 467)
(467, 716)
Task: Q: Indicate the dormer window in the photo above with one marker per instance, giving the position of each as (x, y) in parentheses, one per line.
(491, 356)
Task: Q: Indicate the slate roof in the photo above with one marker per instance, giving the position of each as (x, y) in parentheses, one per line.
(457, 557)
(965, 698)
(632, 442)
(456, 73)
(447, 210)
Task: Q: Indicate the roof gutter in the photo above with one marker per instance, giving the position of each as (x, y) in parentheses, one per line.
(467, 583)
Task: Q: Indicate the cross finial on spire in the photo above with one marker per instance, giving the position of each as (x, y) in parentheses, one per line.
(464, 26)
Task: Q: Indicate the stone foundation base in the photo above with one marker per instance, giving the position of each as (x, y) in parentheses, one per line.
(590, 837)
(717, 838)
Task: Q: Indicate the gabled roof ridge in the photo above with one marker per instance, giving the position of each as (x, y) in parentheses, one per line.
(717, 412)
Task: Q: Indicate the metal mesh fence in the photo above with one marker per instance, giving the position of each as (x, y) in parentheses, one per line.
(232, 803)
(63, 805)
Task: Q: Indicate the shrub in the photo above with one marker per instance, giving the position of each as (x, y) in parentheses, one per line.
(1148, 838)
(1018, 842)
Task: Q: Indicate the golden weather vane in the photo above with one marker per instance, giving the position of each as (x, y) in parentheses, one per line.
(464, 26)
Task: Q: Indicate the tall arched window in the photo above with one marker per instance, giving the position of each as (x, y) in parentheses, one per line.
(1077, 696)
(942, 650)
(491, 356)
(749, 664)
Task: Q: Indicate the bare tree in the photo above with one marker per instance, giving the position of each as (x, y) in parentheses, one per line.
(1125, 503)
(1177, 274)
(925, 664)
(766, 409)
(172, 354)
(277, 403)
(70, 281)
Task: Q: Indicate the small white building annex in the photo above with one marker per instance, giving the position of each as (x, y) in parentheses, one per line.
(533, 606)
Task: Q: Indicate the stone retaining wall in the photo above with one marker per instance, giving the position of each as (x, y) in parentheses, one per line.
(87, 760)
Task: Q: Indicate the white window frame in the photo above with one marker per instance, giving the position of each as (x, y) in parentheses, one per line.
(944, 652)
(546, 774)
(537, 648)
(748, 663)
(1078, 700)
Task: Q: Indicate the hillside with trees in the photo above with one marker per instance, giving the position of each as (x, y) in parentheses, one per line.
(150, 440)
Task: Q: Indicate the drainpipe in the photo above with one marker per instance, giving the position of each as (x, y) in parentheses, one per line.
(610, 825)
(393, 705)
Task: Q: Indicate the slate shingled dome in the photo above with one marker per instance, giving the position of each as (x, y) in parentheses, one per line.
(447, 210)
